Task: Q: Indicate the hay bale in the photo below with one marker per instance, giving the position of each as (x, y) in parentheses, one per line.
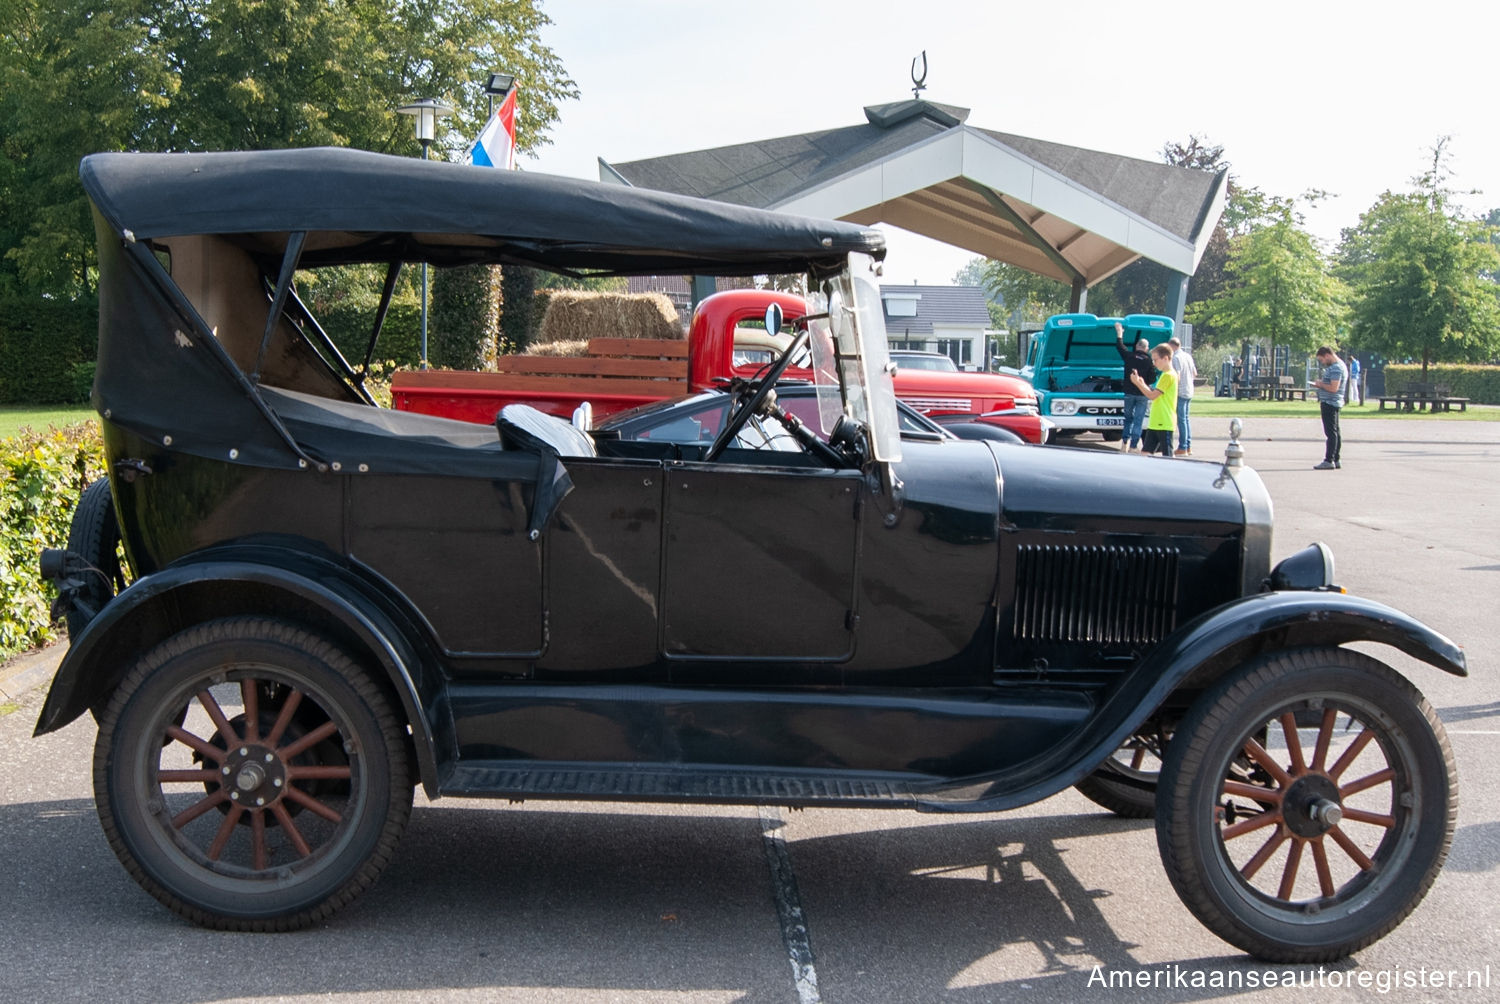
(571, 348)
(576, 315)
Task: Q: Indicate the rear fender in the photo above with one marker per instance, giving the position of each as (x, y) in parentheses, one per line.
(303, 588)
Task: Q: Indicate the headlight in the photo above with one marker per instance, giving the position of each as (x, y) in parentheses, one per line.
(1309, 568)
(1064, 406)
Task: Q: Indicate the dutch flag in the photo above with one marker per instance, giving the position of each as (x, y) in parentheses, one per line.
(496, 145)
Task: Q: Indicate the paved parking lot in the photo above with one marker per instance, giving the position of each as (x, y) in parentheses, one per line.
(554, 902)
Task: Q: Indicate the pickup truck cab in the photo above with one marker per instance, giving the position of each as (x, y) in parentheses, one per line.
(1079, 376)
(726, 339)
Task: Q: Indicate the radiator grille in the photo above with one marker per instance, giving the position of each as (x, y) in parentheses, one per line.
(1101, 594)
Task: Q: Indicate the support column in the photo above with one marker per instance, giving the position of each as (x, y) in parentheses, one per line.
(703, 286)
(1177, 291)
(1079, 300)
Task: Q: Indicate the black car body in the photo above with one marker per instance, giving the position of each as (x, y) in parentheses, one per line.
(912, 622)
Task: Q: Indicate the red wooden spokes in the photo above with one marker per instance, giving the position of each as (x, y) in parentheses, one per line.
(1304, 802)
(251, 778)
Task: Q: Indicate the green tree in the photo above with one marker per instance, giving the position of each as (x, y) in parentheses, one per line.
(1423, 281)
(75, 77)
(1278, 289)
(1029, 298)
(80, 76)
(278, 73)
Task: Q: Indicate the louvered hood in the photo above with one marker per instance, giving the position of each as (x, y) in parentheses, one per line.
(1103, 556)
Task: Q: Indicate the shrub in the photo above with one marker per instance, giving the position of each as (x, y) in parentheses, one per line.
(463, 317)
(348, 325)
(1480, 384)
(41, 341)
(518, 317)
(82, 375)
(41, 476)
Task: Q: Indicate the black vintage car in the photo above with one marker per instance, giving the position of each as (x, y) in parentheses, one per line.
(332, 603)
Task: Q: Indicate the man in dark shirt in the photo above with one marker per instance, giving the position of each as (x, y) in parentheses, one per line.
(1136, 403)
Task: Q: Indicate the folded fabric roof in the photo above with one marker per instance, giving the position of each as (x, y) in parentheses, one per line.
(374, 207)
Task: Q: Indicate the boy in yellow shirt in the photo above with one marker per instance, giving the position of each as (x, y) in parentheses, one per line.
(1161, 422)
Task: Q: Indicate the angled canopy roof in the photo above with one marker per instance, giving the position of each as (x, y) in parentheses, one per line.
(373, 207)
(1073, 214)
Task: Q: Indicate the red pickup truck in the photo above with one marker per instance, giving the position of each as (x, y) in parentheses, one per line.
(622, 373)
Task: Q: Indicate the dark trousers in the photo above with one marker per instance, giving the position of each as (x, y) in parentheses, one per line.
(1331, 430)
(1157, 441)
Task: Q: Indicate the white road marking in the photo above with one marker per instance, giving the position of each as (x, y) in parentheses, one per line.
(789, 907)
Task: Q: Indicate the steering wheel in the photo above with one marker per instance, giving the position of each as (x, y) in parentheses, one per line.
(762, 390)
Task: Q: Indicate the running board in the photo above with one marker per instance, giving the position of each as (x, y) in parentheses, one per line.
(629, 783)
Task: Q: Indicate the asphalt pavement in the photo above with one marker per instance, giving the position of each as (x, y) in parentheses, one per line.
(1059, 901)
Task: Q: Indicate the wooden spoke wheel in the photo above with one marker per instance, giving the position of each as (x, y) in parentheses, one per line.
(250, 776)
(1307, 805)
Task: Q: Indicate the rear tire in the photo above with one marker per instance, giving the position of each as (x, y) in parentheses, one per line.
(1139, 760)
(1352, 767)
(94, 535)
(266, 820)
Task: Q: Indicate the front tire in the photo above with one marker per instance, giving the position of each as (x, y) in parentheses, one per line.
(250, 776)
(1319, 835)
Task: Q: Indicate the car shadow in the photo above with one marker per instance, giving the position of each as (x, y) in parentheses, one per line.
(631, 902)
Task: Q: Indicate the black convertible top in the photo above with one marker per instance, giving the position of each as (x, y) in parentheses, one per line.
(375, 207)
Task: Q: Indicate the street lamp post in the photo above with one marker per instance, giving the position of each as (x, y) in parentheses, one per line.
(426, 112)
(498, 85)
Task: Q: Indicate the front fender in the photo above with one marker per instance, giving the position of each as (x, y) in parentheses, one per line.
(263, 581)
(1191, 659)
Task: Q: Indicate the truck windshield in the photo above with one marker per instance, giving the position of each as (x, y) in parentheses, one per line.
(1089, 345)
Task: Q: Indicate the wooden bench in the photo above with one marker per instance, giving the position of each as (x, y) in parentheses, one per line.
(1421, 397)
(1285, 389)
(1264, 388)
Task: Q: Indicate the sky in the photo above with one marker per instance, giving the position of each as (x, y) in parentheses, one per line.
(1348, 98)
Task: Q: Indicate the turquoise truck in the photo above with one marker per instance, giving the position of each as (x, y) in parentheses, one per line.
(1078, 375)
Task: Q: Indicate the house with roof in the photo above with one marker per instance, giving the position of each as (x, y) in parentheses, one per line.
(953, 320)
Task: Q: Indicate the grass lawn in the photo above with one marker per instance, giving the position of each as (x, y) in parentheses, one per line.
(13, 418)
(1214, 407)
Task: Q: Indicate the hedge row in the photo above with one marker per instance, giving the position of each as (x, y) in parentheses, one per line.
(1480, 384)
(41, 476)
(46, 350)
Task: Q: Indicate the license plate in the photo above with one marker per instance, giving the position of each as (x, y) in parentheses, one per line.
(1108, 422)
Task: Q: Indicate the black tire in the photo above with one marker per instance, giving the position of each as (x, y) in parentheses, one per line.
(1112, 437)
(323, 756)
(1137, 760)
(94, 535)
(1372, 860)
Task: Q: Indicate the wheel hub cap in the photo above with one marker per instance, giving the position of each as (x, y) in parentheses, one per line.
(254, 775)
(1311, 806)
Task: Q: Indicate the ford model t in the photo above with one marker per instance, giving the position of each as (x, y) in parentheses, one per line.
(333, 602)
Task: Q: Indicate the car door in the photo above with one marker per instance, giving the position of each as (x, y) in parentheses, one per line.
(759, 562)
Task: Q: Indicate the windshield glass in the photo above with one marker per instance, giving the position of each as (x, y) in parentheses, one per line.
(875, 359)
(850, 352)
(824, 363)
